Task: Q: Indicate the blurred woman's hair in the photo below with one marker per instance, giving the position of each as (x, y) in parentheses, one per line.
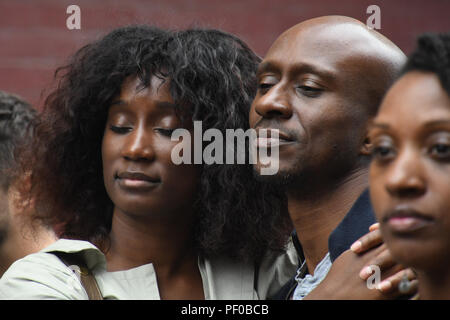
(433, 55)
(16, 116)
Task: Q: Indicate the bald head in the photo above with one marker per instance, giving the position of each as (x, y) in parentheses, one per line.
(320, 84)
(368, 60)
(340, 26)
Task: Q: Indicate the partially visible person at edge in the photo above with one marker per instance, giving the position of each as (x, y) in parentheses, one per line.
(102, 168)
(19, 236)
(410, 170)
(319, 85)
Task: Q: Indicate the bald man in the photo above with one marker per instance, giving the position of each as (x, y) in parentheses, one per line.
(320, 84)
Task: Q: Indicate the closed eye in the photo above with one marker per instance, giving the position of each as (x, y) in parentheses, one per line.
(120, 130)
(264, 87)
(164, 131)
(308, 91)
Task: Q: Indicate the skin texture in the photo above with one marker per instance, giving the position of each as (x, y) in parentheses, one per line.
(151, 220)
(319, 85)
(409, 178)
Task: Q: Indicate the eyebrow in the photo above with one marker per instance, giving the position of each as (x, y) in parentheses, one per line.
(385, 126)
(298, 68)
(437, 122)
(266, 66)
(378, 125)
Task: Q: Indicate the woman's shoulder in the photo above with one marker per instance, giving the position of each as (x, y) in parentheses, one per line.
(230, 279)
(284, 261)
(43, 275)
(276, 269)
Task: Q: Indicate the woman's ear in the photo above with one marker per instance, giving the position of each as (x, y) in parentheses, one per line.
(366, 148)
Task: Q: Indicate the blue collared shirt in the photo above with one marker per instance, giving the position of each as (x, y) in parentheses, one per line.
(355, 224)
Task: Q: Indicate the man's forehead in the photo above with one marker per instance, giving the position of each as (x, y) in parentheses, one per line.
(322, 39)
(302, 51)
(326, 46)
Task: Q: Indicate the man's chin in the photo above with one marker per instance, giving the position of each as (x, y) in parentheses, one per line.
(283, 178)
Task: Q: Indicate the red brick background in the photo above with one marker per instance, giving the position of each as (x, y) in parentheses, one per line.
(34, 39)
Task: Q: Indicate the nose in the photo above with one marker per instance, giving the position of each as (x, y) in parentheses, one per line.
(406, 177)
(138, 145)
(274, 103)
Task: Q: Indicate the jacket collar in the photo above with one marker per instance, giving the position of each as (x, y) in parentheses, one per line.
(355, 224)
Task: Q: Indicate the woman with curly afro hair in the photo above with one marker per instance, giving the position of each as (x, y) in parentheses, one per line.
(102, 175)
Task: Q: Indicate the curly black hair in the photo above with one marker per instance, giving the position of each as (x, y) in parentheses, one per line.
(212, 79)
(432, 54)
(215, 74)
(16, 116)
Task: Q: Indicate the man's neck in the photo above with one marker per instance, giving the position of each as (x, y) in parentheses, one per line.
(318, 212)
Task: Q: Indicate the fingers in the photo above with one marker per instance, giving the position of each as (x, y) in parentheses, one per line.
(383, 261)
(368, 241)
(392, 284)
(375, 226)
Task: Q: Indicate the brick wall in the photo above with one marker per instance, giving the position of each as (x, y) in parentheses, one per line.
(34, 39)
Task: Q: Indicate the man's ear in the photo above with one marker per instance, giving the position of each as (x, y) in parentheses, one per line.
(366, 148)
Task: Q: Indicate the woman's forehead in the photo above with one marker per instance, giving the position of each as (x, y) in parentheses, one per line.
(133, 87)
(416, 92)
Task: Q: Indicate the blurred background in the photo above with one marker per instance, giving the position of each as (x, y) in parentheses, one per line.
(34, 38)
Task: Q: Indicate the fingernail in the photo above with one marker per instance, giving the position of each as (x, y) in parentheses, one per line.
(365, 273)
(385, 285)
(356, 246)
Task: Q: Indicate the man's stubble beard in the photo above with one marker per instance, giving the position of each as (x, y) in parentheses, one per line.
(283, 180)
(308, 179)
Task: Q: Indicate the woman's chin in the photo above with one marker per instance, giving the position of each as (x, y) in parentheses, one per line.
(416, 254)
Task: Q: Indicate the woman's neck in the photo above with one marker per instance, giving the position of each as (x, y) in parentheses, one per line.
(434, 285)
(135, 241)
(166, 243)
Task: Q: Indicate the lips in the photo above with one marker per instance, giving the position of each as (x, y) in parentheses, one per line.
(272, 138)
(404, 220)
(136, 180)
